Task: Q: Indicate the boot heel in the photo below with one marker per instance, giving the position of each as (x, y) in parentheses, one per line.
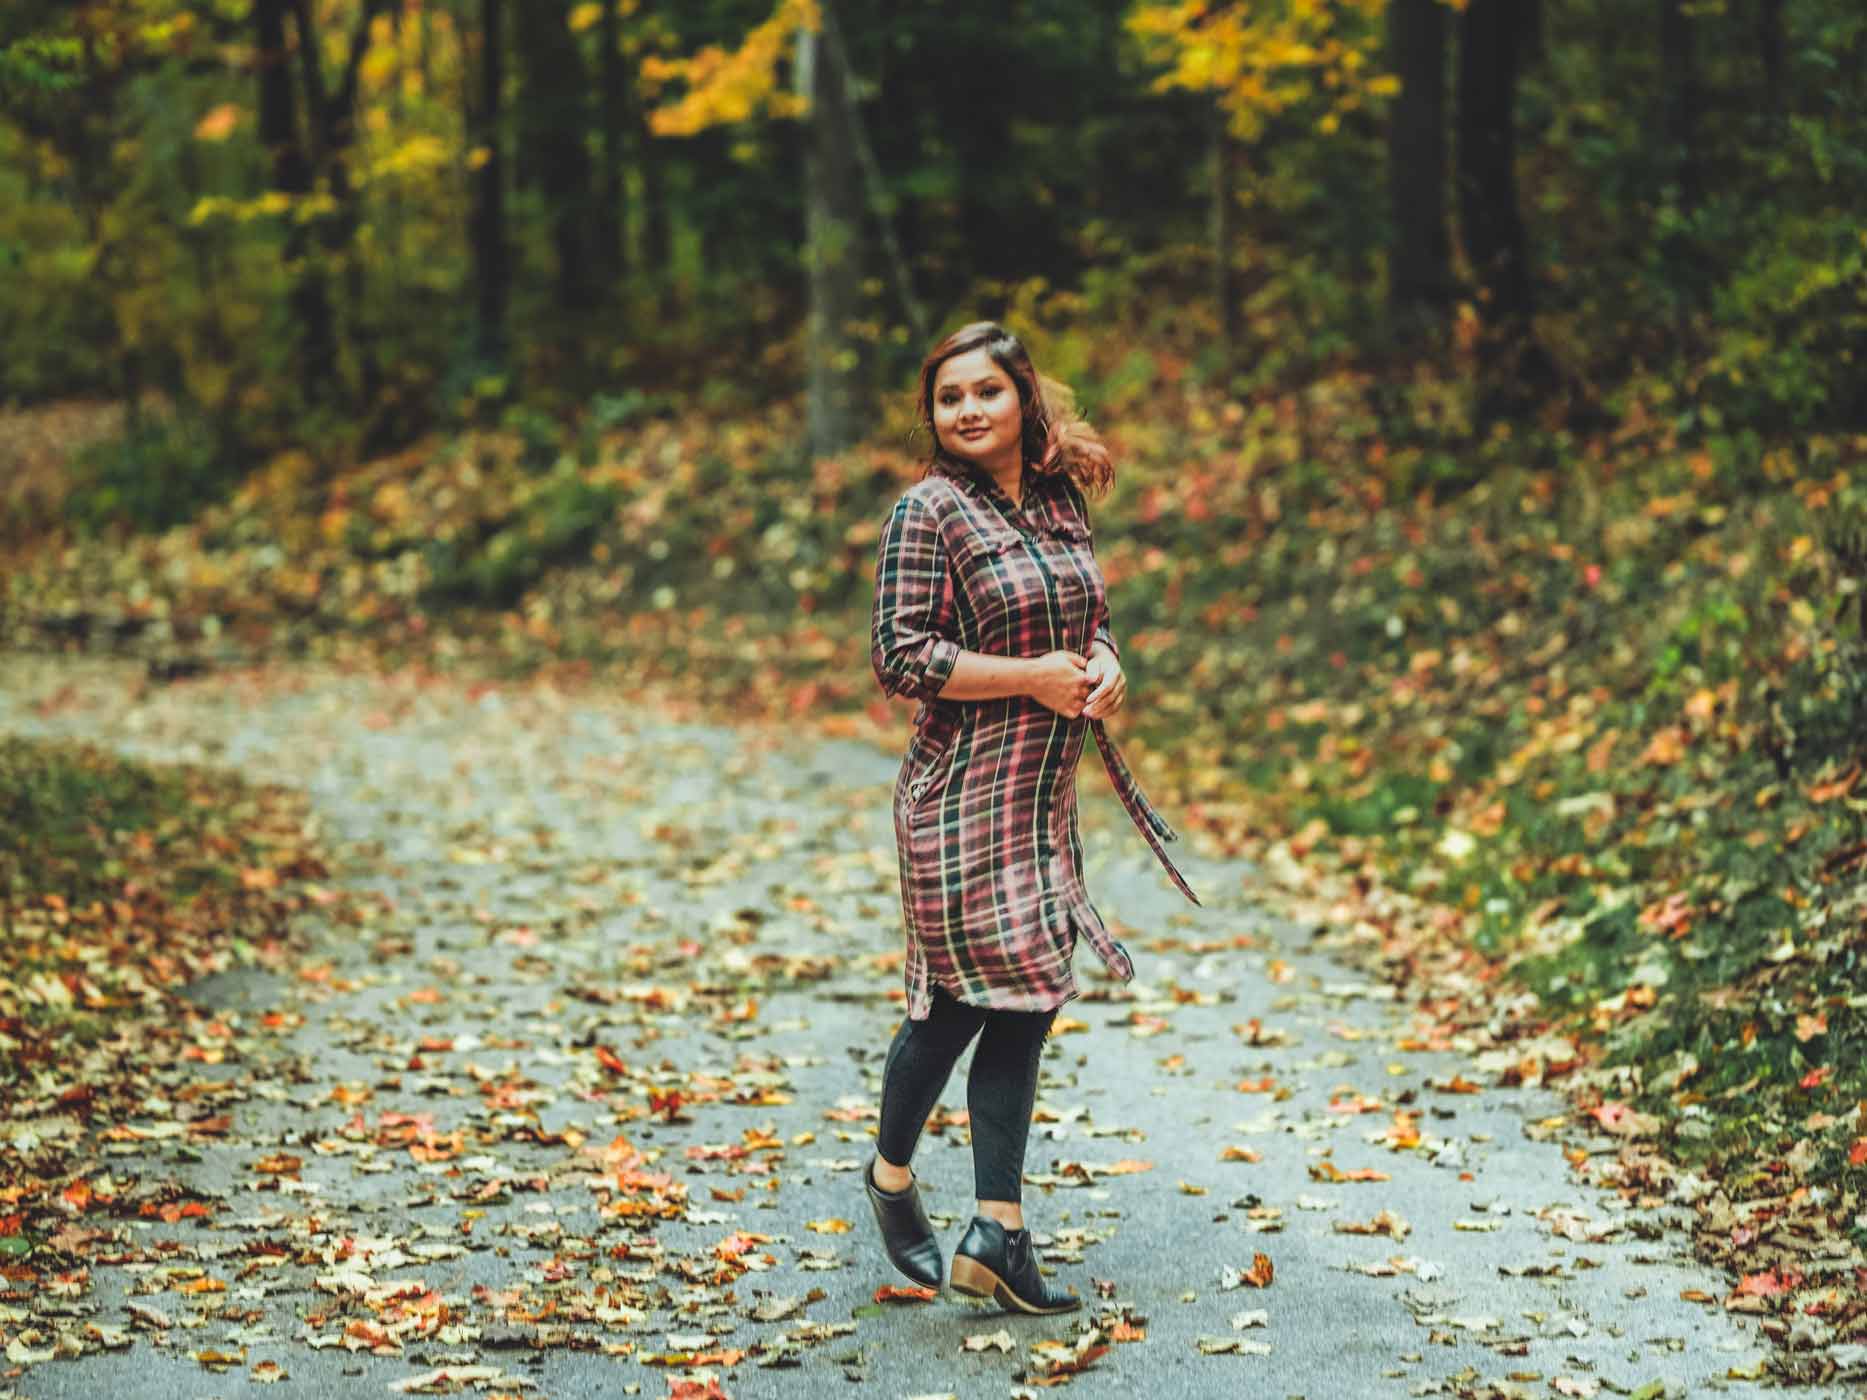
(973, 1278)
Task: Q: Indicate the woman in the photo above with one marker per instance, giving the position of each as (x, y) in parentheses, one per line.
(990, 610)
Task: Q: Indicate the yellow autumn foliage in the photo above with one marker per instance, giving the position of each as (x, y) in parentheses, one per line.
(1264, 59)
(725, 87)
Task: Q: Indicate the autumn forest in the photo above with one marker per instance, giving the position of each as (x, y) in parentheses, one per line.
(444, 446)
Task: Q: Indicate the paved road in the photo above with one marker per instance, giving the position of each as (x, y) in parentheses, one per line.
(574, 905)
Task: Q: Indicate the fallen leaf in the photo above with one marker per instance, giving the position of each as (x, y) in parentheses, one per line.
(1384, 1223)
(905, 1293)
(1259, 1275)
(1237, 1346)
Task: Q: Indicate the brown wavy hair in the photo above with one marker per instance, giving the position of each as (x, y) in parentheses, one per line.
(1056, 437)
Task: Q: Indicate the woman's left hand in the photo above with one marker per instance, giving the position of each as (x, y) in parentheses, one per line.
(1108, 687)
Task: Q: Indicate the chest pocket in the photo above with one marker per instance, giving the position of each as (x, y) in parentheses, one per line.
(996, 578)
(977, 547)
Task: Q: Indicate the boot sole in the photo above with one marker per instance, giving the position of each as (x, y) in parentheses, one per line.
(975, 1280)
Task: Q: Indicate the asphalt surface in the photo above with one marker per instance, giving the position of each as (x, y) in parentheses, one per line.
(546, 875)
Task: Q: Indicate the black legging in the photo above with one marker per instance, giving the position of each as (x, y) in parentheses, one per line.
(1000, 1089)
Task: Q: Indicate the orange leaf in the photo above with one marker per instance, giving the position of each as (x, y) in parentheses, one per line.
(904, 1293)
(1666, 748)
(1840, 787)
(610, 1061)
(1767, 1284)
(1818, 1076)
(218, 124)
(1240, 1154)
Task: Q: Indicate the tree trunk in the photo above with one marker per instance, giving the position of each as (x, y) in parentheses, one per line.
(610, 261)
(1420, 263)
(486, 230)
(1679, 74)
(1487, 150)
(553, 120)
(1224, 157)
(1516, 370)
(832, 253)
(1770, 50)
(313, 331)
(331, 125)
(657, 246)
(881, 202)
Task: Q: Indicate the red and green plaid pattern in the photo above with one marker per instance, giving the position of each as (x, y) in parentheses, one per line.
(985, 805)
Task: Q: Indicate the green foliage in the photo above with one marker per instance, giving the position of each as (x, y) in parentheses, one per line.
(551, 525)
(58, 803)
(38, 63)
(159, 473)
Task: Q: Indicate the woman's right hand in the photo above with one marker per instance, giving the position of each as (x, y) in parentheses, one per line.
(1057, 681)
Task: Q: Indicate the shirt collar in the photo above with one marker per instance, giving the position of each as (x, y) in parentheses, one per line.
(1034, 508)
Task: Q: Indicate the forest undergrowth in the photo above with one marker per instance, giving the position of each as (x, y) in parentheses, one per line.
(1564, 733)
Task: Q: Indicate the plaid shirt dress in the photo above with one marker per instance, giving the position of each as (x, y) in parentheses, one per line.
(985, 805)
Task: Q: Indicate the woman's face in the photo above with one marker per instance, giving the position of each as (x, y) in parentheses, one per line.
(976, 413)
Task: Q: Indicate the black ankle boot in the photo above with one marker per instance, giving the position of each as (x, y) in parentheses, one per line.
(1000, 1264)
(906, 1233)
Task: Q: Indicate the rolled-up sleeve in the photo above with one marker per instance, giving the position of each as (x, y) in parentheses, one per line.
(910, 655)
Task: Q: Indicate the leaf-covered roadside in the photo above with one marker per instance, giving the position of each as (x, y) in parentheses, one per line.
(120, 884)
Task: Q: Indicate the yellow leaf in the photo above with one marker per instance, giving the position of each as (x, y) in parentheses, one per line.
(832, 1226)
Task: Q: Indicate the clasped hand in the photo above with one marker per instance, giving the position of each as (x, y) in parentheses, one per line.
(1072, 684)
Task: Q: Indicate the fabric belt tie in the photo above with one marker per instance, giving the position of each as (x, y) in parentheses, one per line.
(1152, 826)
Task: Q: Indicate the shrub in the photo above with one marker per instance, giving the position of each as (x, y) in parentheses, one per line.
(159, 473)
